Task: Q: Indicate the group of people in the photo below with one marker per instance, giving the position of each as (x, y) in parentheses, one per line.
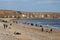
(6, 25)
(42, 29)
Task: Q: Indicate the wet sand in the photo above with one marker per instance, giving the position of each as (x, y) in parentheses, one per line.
(28, 32)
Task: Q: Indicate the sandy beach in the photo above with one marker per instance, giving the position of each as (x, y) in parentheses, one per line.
(27, 32)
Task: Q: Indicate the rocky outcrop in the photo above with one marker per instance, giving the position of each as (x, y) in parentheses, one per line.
(18, 14)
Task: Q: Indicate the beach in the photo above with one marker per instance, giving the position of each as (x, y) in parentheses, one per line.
(27, 32)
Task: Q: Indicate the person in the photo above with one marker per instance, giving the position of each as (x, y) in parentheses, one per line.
(40, 25)
(42, 29)
(36, 25)
(51, 30)
(10, 24)
(4, 20)
(5, 26)
(32, 24)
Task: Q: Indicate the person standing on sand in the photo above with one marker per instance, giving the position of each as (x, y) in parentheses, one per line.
(10, 24)
(51, 30)
(5, 26)
(42, 29)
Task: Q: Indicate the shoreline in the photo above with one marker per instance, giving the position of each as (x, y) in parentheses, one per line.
(9, 20)
(28, 32)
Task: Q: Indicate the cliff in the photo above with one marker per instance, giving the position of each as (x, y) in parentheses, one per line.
(19, 14)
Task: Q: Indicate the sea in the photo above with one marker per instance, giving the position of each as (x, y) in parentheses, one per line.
(53, 23)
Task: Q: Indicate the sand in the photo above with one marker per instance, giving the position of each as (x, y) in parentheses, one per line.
(28, 32)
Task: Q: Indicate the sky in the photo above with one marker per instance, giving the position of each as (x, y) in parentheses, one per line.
(31, 5)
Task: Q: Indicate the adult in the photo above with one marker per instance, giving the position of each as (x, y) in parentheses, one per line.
(5, 26)
(42, 29)
(51, 30)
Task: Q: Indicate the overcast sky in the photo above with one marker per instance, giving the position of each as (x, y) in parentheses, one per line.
(31, 5)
